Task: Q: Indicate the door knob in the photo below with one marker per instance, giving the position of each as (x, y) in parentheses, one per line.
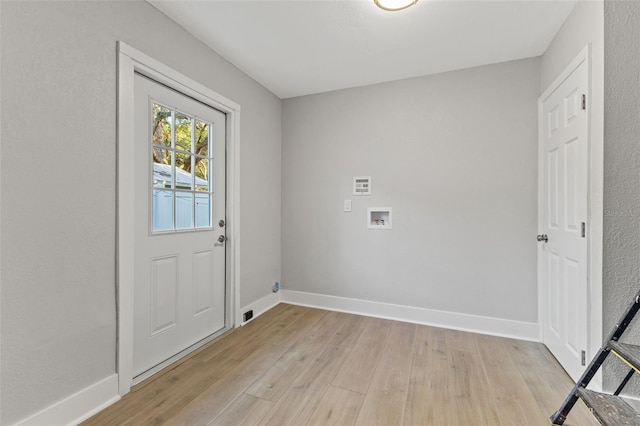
(222, 239)
(543, 238)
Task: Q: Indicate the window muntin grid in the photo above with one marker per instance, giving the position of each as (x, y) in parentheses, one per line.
(181, 189)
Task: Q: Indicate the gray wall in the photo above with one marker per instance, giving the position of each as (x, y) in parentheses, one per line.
(621, 265)
(58, 174)
(585, 26)
(454, 154)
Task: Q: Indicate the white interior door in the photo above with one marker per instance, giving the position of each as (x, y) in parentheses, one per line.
(179, 294)
(562, 259)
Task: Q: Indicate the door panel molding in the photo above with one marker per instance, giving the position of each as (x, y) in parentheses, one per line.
(132, 61)
(548, 126)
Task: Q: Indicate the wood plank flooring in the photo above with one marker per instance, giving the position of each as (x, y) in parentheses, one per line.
(300, 366)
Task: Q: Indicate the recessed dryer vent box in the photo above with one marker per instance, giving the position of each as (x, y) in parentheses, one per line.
(362, 185)
(379, 218)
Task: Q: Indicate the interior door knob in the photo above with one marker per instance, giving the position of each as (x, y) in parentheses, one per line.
(222, 239)
(543, 238)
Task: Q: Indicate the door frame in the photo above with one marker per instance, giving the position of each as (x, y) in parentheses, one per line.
(132, 61)
(594, 209)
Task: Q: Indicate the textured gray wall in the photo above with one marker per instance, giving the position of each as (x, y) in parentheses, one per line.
(621, 263)
(454, 154)
(58, 174)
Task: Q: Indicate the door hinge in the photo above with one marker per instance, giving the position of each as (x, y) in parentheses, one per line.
(584, 102)
(583, 358)
(583, 229)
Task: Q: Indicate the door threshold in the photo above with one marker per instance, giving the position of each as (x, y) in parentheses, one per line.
(164, 367)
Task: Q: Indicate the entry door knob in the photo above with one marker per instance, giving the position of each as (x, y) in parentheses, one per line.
(222, 239)
(543, 238)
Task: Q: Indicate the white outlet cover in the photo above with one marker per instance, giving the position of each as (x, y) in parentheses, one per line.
(347, 205)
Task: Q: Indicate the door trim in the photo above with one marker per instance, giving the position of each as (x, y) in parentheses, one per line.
(594, 208)
(131, 61)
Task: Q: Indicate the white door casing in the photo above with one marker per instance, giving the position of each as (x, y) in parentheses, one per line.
(131, 61)
(563, 217)
(179, 295)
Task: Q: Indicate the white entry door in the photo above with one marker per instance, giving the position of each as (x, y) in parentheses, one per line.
(562, 246)
(179, 295)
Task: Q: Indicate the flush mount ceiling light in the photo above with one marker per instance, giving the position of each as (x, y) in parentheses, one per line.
(394, 5)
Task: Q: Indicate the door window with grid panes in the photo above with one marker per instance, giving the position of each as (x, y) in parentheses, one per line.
(181, 182)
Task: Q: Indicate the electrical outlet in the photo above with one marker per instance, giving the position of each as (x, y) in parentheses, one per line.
(248, 315)
(347, 205)
(276, 287)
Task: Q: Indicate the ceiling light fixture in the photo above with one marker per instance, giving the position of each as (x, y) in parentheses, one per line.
(394, 5)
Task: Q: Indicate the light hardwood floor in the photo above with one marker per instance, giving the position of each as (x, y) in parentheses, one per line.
(301, 366)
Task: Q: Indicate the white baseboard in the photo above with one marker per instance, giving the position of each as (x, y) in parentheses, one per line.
(633, 401)
(77, 407)
(464, 322)
(261, 306)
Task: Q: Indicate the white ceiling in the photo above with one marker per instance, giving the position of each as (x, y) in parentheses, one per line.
(296, 48)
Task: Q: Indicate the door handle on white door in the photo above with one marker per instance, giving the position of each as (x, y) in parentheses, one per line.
(542, 238)
(222, 239)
